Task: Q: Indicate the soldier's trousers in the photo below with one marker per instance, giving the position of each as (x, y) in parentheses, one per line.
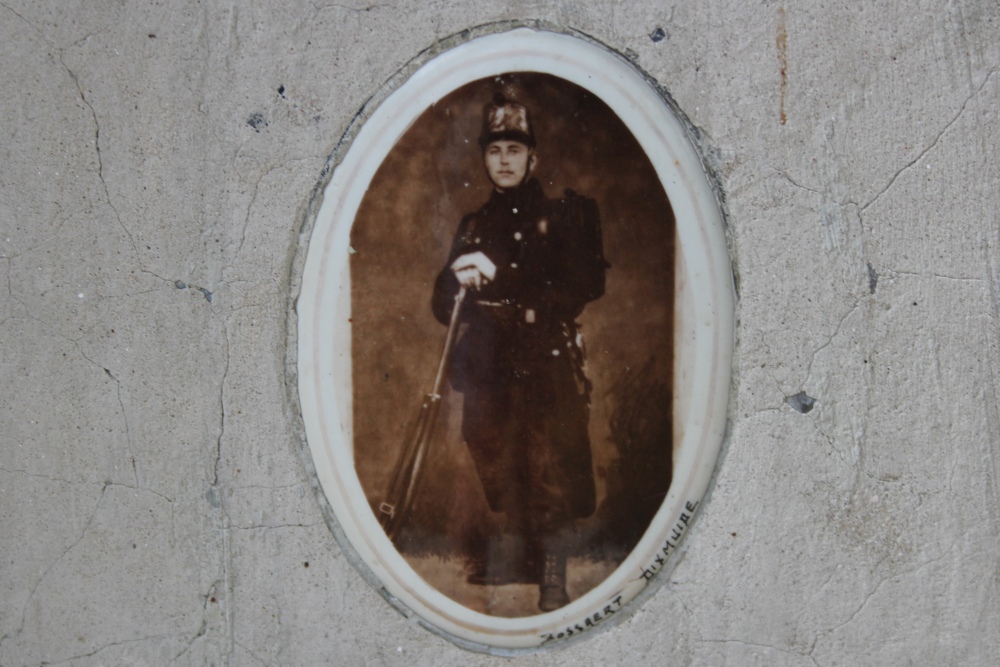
(529, 441)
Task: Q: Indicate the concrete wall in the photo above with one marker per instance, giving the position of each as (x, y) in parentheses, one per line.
(153, 505)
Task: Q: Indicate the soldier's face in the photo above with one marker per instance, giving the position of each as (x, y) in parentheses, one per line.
(508, 163)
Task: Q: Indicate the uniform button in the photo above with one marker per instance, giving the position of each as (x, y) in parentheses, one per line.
(555, 353)
(513, 265)
(476, 240)
(517, 236)
(514, 210)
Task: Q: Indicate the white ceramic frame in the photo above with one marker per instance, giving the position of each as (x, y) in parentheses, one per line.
(703, 336)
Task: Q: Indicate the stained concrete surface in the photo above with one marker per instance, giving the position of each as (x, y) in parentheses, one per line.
(153, 506)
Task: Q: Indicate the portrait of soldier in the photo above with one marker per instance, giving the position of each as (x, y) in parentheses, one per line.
(529, 265)
(512, 472)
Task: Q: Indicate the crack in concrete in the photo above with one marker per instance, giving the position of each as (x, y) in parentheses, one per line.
(51, 328)
(356, 10)
(26, 21)
(861, 607)
(828, 204)
(859, 433)
(246, 218)
(104, 648)
(76, 343)
(100, 167)
(768, 354)
(128, 433)
(937, 139)
(757, 645)
(215, 489)
(222, 405)
(85, 38)
(276, 296)
(125, 295)
(817, 593)
(679, 597)
(97, 147)
(836, 332)
(785, 175)
(829, 441)
(34, 589)
(49, 478)
(936, 275)
(254, 655)
(18, 471)
(202, 631)
(253, 195)
(42, 34)
(269, 487)
(264, 526)
(883, 580)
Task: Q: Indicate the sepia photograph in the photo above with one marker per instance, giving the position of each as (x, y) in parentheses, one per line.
(512, 294)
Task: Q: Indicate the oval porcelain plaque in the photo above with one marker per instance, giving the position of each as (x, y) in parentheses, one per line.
(514, 339)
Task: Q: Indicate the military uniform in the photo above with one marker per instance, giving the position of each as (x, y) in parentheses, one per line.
(519, 362)
(530, 265)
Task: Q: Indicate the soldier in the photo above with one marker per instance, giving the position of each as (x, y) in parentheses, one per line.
(529, 265)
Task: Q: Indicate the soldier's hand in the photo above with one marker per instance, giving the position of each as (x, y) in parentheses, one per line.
(473, 270)
(470, 279)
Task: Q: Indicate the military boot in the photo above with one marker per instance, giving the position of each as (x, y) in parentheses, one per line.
(552, 587)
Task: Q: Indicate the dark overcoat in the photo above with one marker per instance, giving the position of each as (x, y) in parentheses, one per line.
(519, 360)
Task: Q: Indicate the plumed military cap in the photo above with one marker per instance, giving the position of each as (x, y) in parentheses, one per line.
(504, 120)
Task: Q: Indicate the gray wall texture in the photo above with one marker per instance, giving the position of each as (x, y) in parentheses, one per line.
(153, 505)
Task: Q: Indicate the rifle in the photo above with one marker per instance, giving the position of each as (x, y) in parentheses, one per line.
(395, 509)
